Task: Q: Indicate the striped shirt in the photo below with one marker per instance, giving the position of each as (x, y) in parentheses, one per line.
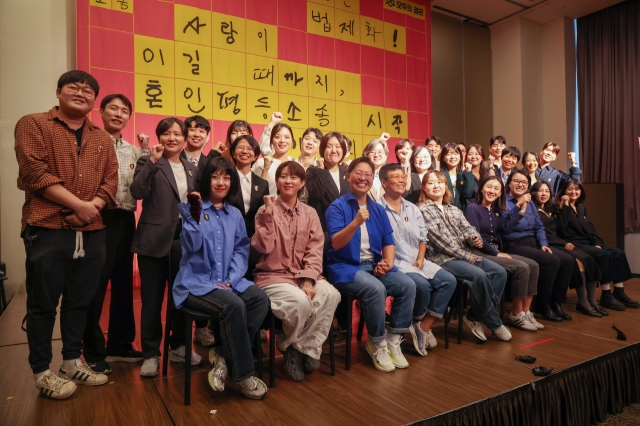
(127, 158)
(47, 154)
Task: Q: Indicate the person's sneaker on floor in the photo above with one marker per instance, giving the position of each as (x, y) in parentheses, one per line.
(431, 340)
(82, 374)
(54, 386)
(309, 364)
(503, 333)
(476, 328)
(150, 367)
(101, 367)
(380, 356)
(177, 355)
(532, 320)
(253, 388)
(608, 301)
(394, 342)
(419, 338)
(293, 363)
(204, 336)
(522, 322)
(219, 373)
(130, 355)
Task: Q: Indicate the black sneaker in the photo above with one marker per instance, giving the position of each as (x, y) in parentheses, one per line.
(100, 367)
(621, 296)
(608, 301)
(126, 356)
(293, 363)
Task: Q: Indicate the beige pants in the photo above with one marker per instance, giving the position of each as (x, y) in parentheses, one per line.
(306, 321)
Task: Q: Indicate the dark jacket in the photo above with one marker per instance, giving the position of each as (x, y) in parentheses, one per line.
(323, 191)
(576, 227)
(413, 192)
(203, 160)
(551, 228)
(462, 187)
(259, 188)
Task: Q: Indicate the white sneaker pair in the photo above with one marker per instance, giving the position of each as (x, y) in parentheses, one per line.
(387, 356)
(522, 322)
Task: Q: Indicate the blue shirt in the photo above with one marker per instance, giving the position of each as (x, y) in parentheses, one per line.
(216, 251)
(529, 226)
(557, 178)
(488, 222)
(344, 263)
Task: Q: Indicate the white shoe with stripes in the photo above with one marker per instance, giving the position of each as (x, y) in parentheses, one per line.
(83, 375)
(55, 387)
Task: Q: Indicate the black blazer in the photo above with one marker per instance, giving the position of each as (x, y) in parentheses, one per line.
(576, 227)
(203, 160)
(156, 186)
(259, 188)
(413, 192)
(459, 183)
(323, 191)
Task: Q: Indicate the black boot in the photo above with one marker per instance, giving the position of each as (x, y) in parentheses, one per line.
(621, 296)
(608, 301)
(557, 308)
(548, 315)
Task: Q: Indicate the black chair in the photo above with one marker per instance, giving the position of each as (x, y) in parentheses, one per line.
(3, 278)
(459, 300)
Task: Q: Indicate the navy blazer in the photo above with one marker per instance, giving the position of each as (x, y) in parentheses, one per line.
(259, 188)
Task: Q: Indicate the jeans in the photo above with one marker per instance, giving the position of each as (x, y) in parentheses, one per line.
(237, 319)
(432, 296)
(485, 281)
(373, 291)
(53, 272)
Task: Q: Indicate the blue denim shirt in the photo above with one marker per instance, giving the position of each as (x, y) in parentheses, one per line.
(344, 263)
(216, 251)
(529, 226)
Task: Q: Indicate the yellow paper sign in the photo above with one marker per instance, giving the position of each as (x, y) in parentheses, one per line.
(322, 114)
(352, 6)
(395, 38)
(260, 105)
(229, 67)
(322, 82)
(193, 62)
(347, 26)
(229, 102)
(192, 25)
(262, 73)
(320, 19)
(348, 118)
(373, 120)
(194, 97)
(153, 56)
(348, 87)
(295, 110)
(228, 32)
(293, 78)
(406, 7)
(262, 39)
(155, 95)
(396, 123)
(371, 32)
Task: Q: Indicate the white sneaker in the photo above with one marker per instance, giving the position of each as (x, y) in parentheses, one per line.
(253, 388)
(476, 328)
(533, 321)
(396, 355)
(54, 386)
(82, 374)
(431, 340)
(150, 367)
(380, 356)
(419, 338)
(218, 374)
(177, 355)
(503, 333)
(522, 322)
(204, 336)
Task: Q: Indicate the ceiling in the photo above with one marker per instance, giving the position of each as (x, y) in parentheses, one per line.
(491, 12)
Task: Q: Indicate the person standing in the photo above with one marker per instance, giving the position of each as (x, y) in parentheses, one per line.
(120, 225)
(69, 172)
(199, 131)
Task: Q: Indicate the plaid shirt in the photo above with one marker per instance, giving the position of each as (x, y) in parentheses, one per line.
(127, 158)
(47, 154)
(450, 235)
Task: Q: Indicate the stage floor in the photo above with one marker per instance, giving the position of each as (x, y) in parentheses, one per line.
(444, 380)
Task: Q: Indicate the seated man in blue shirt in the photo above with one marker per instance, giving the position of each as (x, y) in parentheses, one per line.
(361, 260)
(434, 285)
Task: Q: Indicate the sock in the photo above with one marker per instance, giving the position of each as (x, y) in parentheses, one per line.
(619, 285)
(605, 287)
(68, 364)
(393, 338)
(591, 292)
(37, 376)
(582, 294)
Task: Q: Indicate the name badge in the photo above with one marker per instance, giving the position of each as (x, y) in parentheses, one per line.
(206, 217)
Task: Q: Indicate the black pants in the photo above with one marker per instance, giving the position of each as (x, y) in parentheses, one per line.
(555, 271)
(118, 268)
(237, 319)
(53, 272)
(612, 262)
(154, 273)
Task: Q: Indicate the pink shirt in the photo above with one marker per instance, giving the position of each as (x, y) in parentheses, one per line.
(291, 242)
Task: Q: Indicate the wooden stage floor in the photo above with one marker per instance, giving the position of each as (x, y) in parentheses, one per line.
(444, 380)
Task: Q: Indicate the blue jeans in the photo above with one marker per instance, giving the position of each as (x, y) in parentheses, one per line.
(432, 296)
(485, 281)
(373, 291)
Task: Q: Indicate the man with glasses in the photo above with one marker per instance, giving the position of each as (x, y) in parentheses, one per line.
(361, 261)
(69, 171)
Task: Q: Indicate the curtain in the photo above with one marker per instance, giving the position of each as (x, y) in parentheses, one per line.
(608, 63)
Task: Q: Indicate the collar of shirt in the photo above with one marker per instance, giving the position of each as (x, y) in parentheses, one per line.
(208, 205)
(403, 205)
(116, 141)
(243, 176)
(54, 114)
(285, 208)
(349, 197)
(194, 160)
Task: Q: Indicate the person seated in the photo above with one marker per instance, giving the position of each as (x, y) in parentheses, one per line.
(377, 151)
(291, 241)
(421, 162)
(361, 261)
(211, 279)
(281, 140)
(576, 227)
(434, 285)
(451, 241)
(556, 179)
(586, 276)
(508, 162)
(528, 239)
(486, 216)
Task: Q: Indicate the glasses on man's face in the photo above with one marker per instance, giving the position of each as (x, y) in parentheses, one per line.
(520, 182)
(396, 176)
(85, 91)
(243, 148)
(361, 175)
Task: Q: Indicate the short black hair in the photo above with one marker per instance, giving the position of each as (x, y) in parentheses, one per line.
(107, 99)
(201, 123)
(342, 140)
(511, 150)
(433, 138)
(497, 138)
(563, 190)
(166, 123)
(359, 160)
(401, 145)
(384, 170)
(77, 76)
(255, 146)
(316, 132)
(212, 167)
(528, 153)
(517, 172)
(348, 143)
(295, 169)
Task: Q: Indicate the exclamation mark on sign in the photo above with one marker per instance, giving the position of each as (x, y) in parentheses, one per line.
(395, 37)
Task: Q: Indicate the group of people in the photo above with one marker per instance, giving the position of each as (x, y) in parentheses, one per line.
(247, 228)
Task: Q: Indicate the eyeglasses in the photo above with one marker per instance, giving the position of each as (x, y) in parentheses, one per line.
(361, 175)
(396, 176)
(85, 91)
(244, 148)
(520, 182)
